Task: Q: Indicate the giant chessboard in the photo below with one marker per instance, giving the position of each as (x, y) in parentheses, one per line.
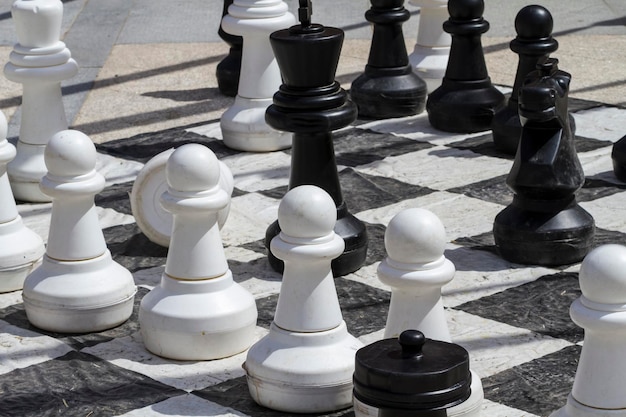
(513, 319)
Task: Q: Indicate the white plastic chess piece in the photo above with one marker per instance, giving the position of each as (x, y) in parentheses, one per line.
(22, 248)
(154, 221)
(78, 287)
(430, 55)
(39, 62)
(600, 380)
(416, 269)
(243, 124)
(305, 363)
(197, 312)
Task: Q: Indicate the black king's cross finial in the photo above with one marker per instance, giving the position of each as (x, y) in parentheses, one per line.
(304, 13)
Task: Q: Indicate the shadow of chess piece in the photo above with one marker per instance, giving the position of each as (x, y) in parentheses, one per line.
(466, 100)
(618, 154)
(311, 104)
(227, 71)
(544, 225)
(534, 43)
(388, 87)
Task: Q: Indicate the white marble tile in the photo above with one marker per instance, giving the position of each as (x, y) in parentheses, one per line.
(608, 212)
(603, 123)
(416, 128)
(491, 409)
(20, 348)
(185, 375)
(254, 172)
(10, 298)
(210, 130)
(439, 167)
(460, 215)
(184, 406)
(249, 217)
(495, 347)
(117, 170)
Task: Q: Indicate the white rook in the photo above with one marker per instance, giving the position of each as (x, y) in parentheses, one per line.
(39, 61)
(243, 124)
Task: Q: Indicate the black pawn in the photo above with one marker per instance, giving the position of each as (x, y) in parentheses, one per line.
(412, 376)
(311, 104)
(534, 43)
(388, 87)
(619, 159)
(544, 225)
(466, 100)
(228, 69)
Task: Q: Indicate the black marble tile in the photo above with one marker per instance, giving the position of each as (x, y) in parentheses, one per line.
(492, 189)
(482, 145)
(144, 146)
(234, 393)
(483, 241)
(355, 147)
(16, 316)
(132, 249)
(541, 306)
(364, 308)
(116, 197)
(375, 243)
(594, 189)
(256, 246)
(577, 104)
(583, 144)
(538, 387)
(364, 192)
(604, 237)
(277, 193)
(77, 385)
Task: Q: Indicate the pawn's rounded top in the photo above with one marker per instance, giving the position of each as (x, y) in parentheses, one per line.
(533, 22)
(415, 235)
(192, 168)
(307, 211)
(70, 153)
(602, 275)
(466, 9)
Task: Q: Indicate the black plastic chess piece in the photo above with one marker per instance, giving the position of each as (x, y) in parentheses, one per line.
(619, 159)
(311, 104)
(534, 43)
(544, 225)
(228, 69)
(388, 87)
(466, 100)
(412, 376)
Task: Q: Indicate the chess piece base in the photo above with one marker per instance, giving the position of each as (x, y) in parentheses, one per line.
(349, 228)
(430, 64)
(244, 128)
(302, 372)
(619, 159)
(79, 296)
(544, 238)
(382, 93)
(25, 173)
(22, 250)
(198, 319)
(573, 408)
(463, 107)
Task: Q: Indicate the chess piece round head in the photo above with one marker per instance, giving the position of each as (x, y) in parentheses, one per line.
(466, 9)
(192, 168)
(307, 211)
(415, 236)
(533, 22)
(602, 278)
(70, 153)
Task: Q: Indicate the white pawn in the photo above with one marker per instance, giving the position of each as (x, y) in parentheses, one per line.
(416, 269)
(154, 221)
(598, 389)
(305, 363)
(197, 312)
(40, 62)
(243, 124)
(430, 55)
(78, 287)
(21, 248)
